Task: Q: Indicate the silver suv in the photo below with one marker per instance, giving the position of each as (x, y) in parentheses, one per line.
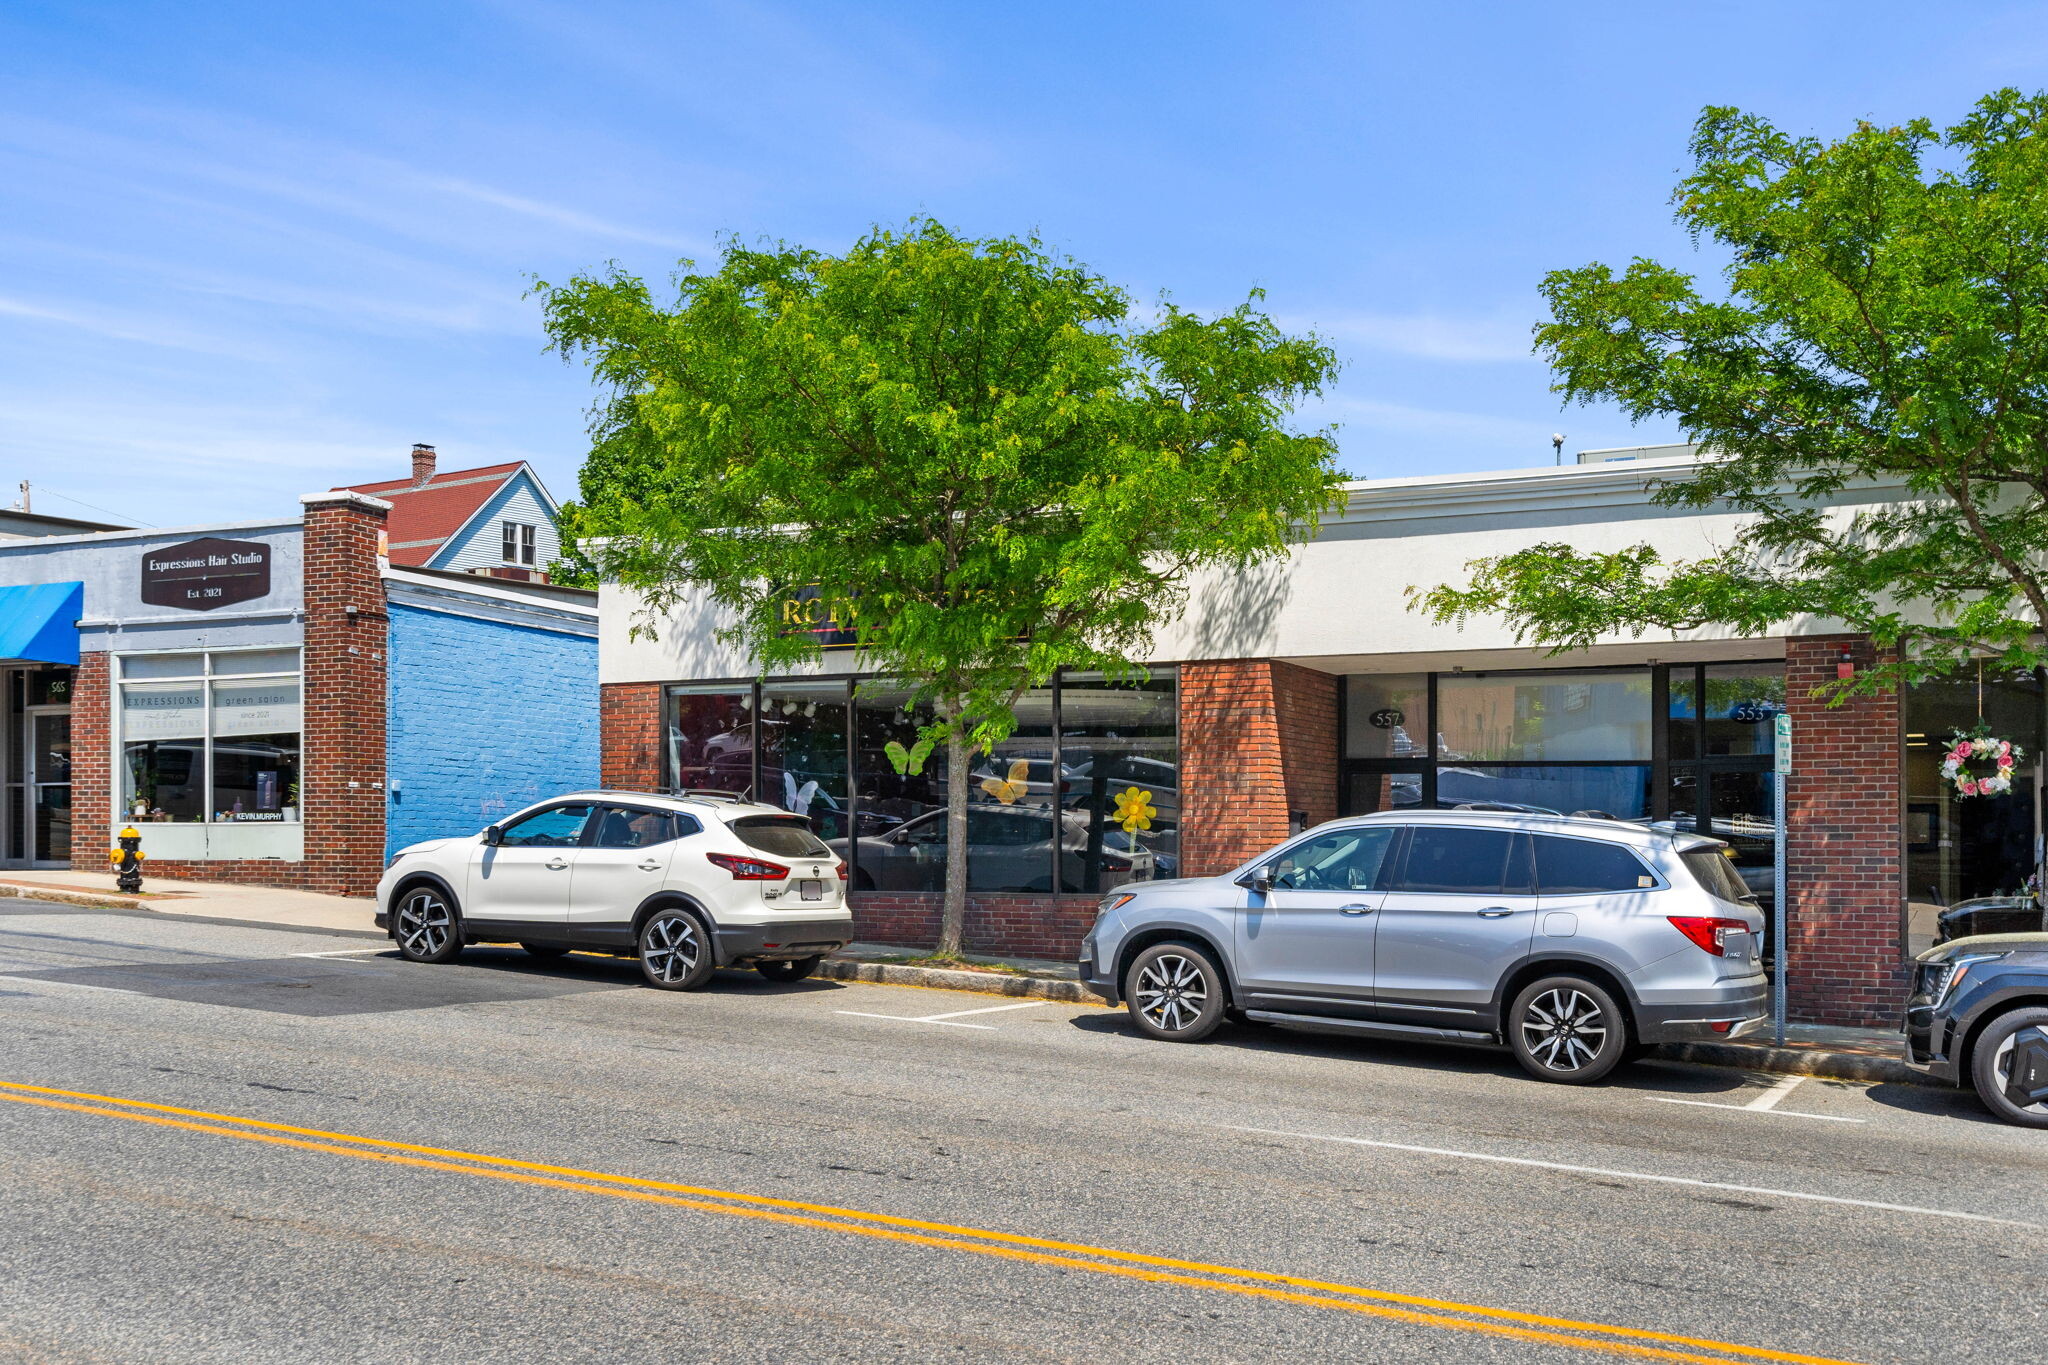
(1572, 941)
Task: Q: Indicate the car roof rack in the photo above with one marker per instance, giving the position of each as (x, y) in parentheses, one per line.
(712, 793)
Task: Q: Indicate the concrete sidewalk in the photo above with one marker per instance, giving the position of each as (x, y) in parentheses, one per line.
(201, 900)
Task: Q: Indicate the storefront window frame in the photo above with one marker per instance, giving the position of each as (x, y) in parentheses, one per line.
(206, 677)
(754, 687)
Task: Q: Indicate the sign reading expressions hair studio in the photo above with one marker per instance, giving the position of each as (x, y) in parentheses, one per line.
(200, 575)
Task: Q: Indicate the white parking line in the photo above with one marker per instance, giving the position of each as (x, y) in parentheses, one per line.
(1643, 1175)
(946, 1020)
(1766, 1103)
(345, 952)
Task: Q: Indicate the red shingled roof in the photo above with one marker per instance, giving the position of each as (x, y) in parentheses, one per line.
(422, 518)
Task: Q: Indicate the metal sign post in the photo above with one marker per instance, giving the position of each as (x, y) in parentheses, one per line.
(1781, 770)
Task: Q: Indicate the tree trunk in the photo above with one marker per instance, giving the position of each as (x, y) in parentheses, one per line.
(953, 912)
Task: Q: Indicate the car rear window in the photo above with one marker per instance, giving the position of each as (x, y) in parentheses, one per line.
(784, 836)
(1567, 867)
(1711, 868)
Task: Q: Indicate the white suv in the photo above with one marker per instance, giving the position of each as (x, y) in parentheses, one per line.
(687, 884)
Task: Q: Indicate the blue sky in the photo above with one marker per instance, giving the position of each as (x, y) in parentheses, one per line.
(251, 250)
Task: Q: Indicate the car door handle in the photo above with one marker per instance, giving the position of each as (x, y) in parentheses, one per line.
(650, 867)
(558, 864)
(1495, 912)
(1354, 909)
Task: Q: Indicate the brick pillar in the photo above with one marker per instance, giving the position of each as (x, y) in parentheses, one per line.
(629, 735)
(347, 638)
(92, 775)
(1257, 739)
(1844, 855)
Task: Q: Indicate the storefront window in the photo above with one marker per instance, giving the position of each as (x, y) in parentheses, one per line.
(1370, 791)
(1538, 717)
(901, 829)
(1621, 790)
(1962, 848)
(1386, 715)
(220, 743)
(1120, 765)
(803, 753)
(710, 737)
(1014, 799)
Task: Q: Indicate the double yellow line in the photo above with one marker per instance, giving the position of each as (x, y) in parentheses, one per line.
(1451, 1316)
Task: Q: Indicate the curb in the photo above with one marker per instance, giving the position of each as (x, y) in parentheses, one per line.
(941, 978)
(1795, 1061)
(94, 899)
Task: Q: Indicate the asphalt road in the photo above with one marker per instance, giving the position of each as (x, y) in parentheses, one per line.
(222, 1142)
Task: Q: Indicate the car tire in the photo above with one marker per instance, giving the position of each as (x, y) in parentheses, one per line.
(675, 951)
(426, 925)
(546, 952)
(1567, 1030)
(1175, 992)
(786, 971)
(1989, 1067)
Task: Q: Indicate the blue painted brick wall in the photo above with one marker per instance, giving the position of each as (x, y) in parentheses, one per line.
(485, 718)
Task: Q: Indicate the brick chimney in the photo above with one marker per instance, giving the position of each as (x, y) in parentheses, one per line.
(422, 464)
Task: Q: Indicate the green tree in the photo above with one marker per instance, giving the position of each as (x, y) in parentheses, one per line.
(1885, 319)
(973, 442)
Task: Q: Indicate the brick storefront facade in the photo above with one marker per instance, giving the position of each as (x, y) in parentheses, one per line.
(1258, 741)
(342, 763)
(1844, 855)
(629, 737)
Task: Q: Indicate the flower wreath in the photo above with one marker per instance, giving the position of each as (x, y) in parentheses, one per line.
(1979, 746)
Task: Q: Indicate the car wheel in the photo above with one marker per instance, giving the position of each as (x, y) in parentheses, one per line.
(788, 971)
(426, 926)
(1175, 992)
(675, 953)
(1991, 1067)
(1568, 1030)
(546, 952)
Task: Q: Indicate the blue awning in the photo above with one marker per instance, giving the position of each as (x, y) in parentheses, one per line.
(39, 622)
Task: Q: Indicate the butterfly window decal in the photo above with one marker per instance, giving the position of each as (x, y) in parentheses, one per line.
(1008, 790)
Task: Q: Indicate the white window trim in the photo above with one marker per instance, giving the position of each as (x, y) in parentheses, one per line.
(518, 543)
(118, 764)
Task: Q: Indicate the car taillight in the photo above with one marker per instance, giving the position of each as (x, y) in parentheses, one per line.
(842, 872)
(1709, 933)
(748, 869)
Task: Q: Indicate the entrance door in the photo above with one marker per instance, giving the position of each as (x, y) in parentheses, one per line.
(47, 746)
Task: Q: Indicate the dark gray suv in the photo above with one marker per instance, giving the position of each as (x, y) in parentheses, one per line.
(1571, 941)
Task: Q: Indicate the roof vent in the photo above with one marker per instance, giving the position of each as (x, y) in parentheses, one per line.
(422, 464)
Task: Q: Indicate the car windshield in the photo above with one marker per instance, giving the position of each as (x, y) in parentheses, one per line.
(1711, 868)
(786, 836)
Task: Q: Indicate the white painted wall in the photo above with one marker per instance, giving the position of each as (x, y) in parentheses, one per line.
(1339, 602)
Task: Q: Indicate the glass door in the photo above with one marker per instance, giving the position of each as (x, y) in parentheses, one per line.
(48, 750)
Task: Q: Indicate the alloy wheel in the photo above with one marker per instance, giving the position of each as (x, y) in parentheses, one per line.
(424, 924)
(2001, 1067)
(1564, 1029)
(1171, 992)
(672, 948)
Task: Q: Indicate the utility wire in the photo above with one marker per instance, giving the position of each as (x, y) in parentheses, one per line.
(47, 491)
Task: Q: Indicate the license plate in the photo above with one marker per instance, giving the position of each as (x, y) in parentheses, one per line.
(811, 891)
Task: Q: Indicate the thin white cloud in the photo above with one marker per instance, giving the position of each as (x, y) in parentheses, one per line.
(121, 327)
(1433, 336)
(572, 219)
(1373, 414)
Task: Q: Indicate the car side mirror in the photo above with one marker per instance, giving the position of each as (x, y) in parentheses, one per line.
(493, 836)
(1256, 880)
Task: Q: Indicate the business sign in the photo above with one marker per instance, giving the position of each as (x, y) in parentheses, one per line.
(825, 616)
(200, 575)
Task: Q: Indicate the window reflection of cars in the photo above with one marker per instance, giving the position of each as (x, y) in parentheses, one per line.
(1989, 915)
(1006, 847)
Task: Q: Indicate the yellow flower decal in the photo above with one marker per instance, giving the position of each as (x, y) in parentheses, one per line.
(1009, 791)
(1134, 809)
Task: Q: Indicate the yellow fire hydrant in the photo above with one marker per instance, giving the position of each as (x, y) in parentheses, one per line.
(127, 860)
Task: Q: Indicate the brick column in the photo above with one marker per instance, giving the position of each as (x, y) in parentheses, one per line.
(92, 775)
(1844, 859)
(347, 637)
(629, 735)
(1257, 740)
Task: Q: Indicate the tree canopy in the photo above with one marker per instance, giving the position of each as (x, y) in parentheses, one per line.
(1884, 322)
(973, 448)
